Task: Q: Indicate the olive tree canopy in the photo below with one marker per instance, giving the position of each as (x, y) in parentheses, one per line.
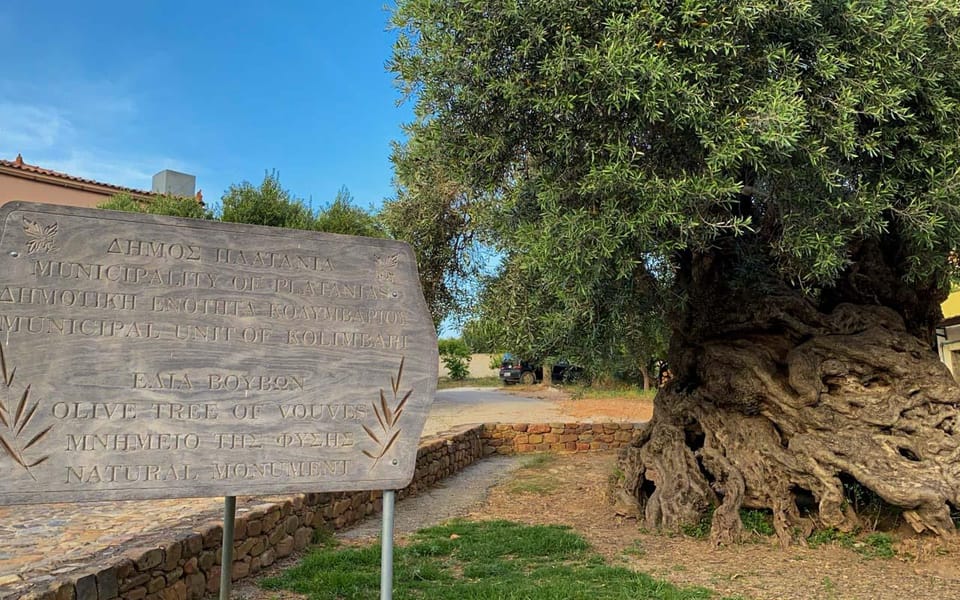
(784, 175)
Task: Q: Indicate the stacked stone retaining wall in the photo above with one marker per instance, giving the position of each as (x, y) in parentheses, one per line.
(188, 567)
(500, 438)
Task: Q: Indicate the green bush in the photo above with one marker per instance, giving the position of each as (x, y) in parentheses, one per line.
(457, 367)
(173, 206)
(453, 347)
(455, 356)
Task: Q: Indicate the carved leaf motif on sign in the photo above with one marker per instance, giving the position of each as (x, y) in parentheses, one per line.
(388, 414)
(16, 412)
(385, 266)
(40, 237)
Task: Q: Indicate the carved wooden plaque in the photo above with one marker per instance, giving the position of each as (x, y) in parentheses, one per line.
(156, 357)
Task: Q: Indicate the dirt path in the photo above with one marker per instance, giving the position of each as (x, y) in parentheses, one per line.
(589, 409)
(456, 496)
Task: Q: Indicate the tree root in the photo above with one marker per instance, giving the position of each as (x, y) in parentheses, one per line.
(771, 425)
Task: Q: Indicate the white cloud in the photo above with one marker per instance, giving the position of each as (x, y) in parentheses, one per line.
(69, 131)
(33, 127)
(136, 172)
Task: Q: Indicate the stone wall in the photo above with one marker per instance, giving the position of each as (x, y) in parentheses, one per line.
(188, 567)
(499, 438)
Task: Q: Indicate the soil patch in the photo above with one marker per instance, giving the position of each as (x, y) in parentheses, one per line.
(589, 409)
(617, 409)
(577, 495)
(573, 490)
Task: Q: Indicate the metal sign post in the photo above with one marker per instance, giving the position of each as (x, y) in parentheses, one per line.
(386, 545)
(226, 556)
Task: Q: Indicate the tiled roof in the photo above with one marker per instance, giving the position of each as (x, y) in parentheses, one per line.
(19, 165)
(950, 321)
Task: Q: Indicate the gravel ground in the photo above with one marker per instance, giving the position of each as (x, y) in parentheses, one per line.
(456, 496)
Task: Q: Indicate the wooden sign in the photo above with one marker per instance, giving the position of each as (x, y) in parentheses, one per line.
(157, 357)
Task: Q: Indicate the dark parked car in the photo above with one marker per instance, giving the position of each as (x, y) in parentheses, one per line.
(564, 372)
(513, 370)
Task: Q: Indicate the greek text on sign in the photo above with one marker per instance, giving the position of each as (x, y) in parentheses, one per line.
(155, 357)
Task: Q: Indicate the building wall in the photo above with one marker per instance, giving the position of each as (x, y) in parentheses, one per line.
(479, 366)
(948, 337)
(18, 188)
(951, 306)
(948, 346)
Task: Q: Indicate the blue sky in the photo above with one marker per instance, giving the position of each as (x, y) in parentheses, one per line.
(118, 90)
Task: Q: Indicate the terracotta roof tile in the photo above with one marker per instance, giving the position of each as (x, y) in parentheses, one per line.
(19, 165)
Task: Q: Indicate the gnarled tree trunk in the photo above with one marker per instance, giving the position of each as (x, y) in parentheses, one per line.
(779, 399)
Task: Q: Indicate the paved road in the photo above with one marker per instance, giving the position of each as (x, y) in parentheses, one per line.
(461, 406)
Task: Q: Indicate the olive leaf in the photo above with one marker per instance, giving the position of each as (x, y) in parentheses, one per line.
(387, 417)
(16, 420)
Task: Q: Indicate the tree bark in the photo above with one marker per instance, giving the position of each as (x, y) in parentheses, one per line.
(645, 372)
(779, 399)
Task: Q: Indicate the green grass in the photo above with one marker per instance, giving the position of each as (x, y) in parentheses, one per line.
(616, 477)
(755, 522)
(322, 536)
(829, 587)
(700, 529)
(477, 561)
(758, 522)
(606, 392)
(539, 460)
(533, 479)
(635, 549)
(830, 536)
(445, 383)
(874, 545)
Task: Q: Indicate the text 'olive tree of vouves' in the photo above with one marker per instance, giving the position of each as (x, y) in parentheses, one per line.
(791, 168)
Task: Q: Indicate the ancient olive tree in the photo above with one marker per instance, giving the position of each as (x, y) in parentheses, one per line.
(790, 170)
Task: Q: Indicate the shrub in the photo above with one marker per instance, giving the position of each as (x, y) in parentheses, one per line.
(455, 356)
(457, 367)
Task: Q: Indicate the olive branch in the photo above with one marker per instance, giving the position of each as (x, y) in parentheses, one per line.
(17, 422)
(387, 418)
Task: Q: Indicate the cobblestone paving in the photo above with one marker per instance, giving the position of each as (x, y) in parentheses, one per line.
(41, 541)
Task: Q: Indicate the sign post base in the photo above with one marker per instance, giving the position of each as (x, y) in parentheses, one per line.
(226, 556)
(386, 545)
